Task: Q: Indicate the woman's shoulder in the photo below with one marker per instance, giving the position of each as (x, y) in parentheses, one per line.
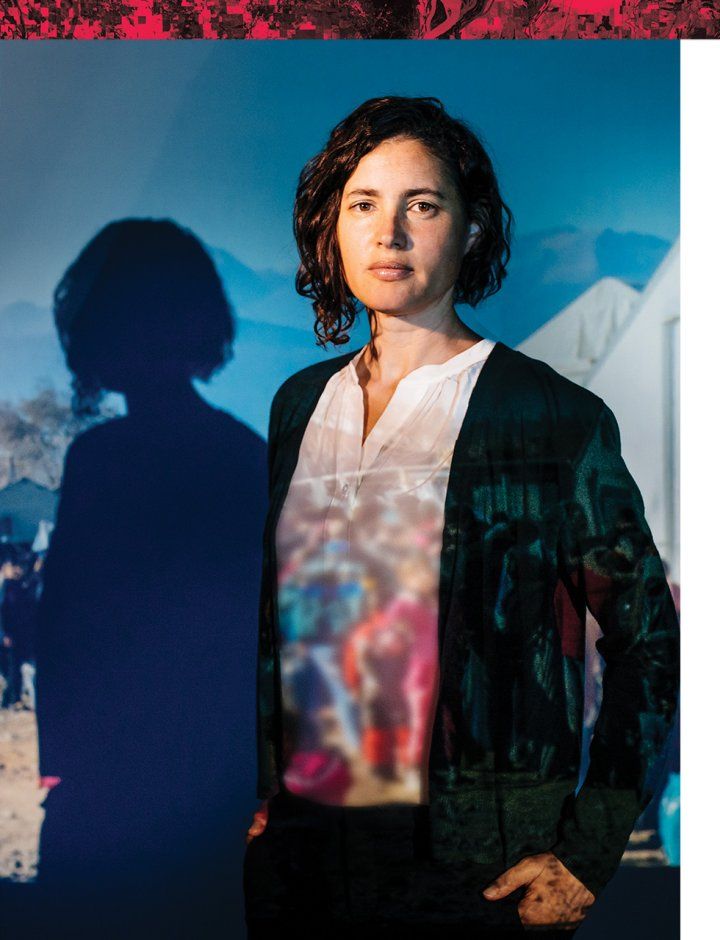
(525, 402)
(318, 371)
(314, 376)
(523, 383)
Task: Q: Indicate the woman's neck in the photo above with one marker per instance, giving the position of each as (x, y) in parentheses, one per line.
(401, 344)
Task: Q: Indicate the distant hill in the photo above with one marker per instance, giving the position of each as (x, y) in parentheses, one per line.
(30, 355)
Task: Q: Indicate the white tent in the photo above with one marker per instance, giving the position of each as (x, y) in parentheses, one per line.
(639, 378)
(577, 337)
(637, 375)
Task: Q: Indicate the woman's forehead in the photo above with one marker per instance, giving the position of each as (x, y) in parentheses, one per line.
(402, 160)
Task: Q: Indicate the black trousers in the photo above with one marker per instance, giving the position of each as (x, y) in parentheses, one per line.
(366, 871)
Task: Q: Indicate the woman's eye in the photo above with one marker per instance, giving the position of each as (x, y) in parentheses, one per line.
(363, 206)
(425, 208)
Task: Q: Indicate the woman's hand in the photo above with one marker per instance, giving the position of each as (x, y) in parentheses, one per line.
(260, 819)
(554, 895)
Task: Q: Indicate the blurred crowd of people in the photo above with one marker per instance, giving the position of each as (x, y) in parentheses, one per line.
(358, 649)
(20, 587)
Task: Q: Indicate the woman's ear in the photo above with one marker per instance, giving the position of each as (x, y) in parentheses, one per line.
(472, 236)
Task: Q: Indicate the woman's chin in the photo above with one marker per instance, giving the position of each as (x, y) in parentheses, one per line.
(392, 306)
(400, 302)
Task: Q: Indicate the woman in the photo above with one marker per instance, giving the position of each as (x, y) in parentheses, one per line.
(424, 779)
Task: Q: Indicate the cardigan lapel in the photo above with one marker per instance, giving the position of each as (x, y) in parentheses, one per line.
(470, 450)
(291, 434)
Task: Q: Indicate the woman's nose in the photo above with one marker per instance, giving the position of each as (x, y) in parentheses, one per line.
(392, 233)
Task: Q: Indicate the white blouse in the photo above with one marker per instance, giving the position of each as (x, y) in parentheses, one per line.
(358, 548)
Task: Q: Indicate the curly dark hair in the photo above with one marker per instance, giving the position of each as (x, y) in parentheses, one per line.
(319, 191)
(143, 297)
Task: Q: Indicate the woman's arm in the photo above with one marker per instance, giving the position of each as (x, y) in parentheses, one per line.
(613, 565)
(266, 678)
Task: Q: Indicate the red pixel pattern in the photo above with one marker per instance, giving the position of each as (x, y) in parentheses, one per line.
(361, 19)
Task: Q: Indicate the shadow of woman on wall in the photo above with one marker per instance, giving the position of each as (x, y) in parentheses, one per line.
(148, 617)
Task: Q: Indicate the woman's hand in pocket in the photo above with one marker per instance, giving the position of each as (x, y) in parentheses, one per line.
(554, 896)
(259, 822)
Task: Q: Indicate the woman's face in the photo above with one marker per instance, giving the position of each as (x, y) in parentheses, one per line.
(402, 229)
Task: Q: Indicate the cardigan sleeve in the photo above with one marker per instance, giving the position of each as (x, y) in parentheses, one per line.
(609, 555)
(266, 678)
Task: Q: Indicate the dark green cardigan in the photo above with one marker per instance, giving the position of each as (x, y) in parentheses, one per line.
(542, 519)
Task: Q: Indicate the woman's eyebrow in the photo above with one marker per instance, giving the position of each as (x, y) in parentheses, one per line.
(424, 191)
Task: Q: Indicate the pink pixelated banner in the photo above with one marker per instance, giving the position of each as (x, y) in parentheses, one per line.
(360, 19)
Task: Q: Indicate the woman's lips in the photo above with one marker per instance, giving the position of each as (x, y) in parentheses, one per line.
(390, 273)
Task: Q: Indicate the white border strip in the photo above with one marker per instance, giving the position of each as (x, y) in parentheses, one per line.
(700, 482)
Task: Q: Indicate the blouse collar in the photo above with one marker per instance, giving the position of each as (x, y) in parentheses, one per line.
(434, 372)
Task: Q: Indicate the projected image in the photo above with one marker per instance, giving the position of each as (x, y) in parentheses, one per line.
(149, 314)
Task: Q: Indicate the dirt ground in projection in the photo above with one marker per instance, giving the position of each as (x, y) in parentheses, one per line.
(21, 814)
(20, 797)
